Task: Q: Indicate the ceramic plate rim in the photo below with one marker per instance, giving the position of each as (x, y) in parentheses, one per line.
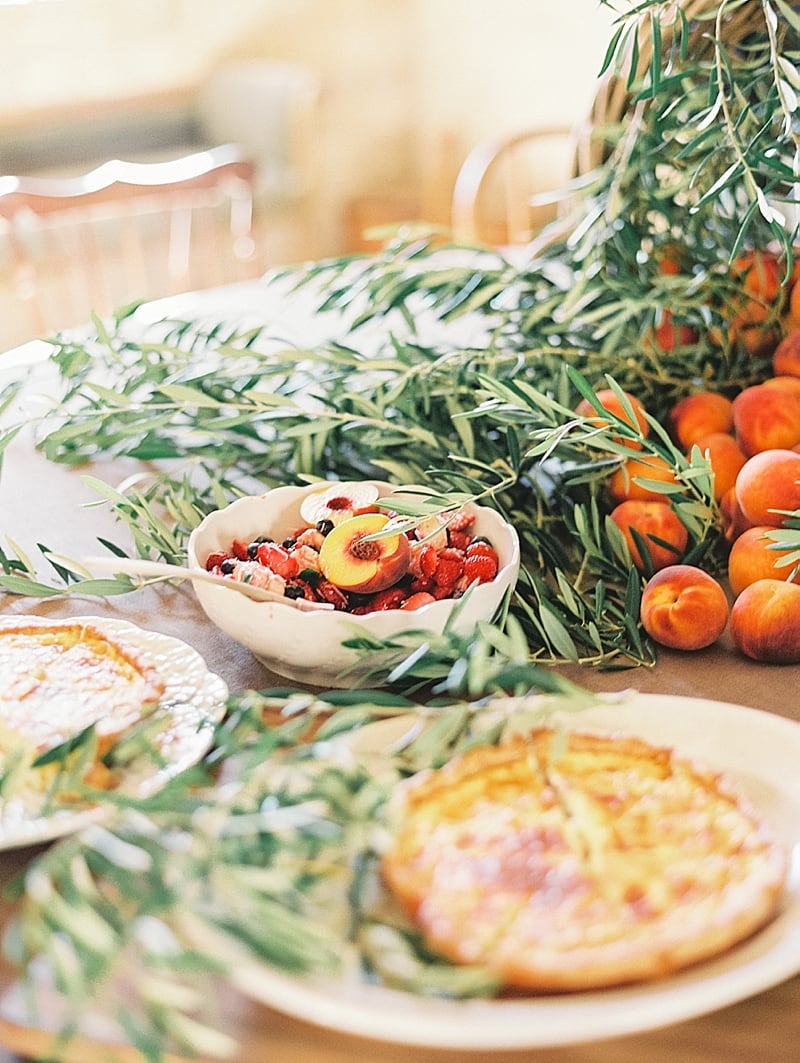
(772, 956)
(192, 692)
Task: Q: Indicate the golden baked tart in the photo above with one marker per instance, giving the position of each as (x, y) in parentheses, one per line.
(569, 861)
(60, 678)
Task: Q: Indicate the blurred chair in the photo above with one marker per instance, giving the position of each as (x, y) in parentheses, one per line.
(508, 188)
(123, 232)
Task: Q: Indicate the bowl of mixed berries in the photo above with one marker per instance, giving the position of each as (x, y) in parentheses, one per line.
(346, 565)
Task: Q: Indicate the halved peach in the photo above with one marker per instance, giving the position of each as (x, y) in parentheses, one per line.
(352, 564)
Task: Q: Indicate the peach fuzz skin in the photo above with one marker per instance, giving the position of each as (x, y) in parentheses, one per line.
(766, 418)
(725, 457)
(765, 622)
(624, 482)
(733, 520)
(609, 401)
(767, 483)
(684, 608)
(786, 356)
(699, 415)
(753, 556)
(652, 521)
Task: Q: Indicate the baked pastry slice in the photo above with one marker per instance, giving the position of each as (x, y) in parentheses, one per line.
(60, 678)
(568, 861)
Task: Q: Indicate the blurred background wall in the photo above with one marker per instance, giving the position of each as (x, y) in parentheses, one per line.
(369, 105)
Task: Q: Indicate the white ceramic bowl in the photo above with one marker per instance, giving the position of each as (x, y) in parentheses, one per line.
(306, 647)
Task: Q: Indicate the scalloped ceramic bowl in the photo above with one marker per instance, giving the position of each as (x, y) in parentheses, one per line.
(306, 647)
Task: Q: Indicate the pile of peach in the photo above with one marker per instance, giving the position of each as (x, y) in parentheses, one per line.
(359, 559)
(752, 444)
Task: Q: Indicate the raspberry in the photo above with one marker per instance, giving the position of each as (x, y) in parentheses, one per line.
(461, 522)
(391, 598)
(460, 540)
(481, 546)
(449, 567)
(421, 584)
(480, 567)
(428, 560)
(330, 593)
(239, 550)
(298, 588)
(215, 560)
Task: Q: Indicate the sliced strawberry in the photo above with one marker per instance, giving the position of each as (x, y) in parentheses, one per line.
(277, 560)
(416, 601)
(480, 567)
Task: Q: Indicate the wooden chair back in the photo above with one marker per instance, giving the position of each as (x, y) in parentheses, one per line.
(508, 188)
(123, 232)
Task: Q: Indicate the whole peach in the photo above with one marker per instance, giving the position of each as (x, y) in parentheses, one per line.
(784, 381)
(759, 274)
(662, 533)
(734, 521)
(668, 334)
(609, 401)
(684, 608)
(754, 556)
(768, 482)
(766, 418)
(698, 415)
(725, 457)
(786, 357)
(765, 621)
(625, 482)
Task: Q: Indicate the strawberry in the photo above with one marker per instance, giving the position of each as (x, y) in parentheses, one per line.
(480, 567)
(277, 560)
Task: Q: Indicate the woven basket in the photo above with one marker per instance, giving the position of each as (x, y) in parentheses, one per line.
(732, 23)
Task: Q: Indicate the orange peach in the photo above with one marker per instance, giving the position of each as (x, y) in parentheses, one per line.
(785, 382)
(794, 300)
(765, 621)
(734, 521)
(760, 275)
(786, 356)
(669, 335)
(698, 415)
(655, 535)
(768, 482)
(684, 608)
(725, 457)
(754, 555)
(766, 418)
(352, 564)
(608, 400)
(628, 481)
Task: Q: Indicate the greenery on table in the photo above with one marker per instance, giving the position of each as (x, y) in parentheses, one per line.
(702, 158)
(266, 853)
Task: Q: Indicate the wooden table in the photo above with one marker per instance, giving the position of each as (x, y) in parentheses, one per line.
(40, 502)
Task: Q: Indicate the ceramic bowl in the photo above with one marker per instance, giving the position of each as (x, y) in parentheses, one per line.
(307, 647)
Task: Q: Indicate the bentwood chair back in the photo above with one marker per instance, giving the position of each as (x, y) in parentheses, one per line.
(508, 188)
(123, 232)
